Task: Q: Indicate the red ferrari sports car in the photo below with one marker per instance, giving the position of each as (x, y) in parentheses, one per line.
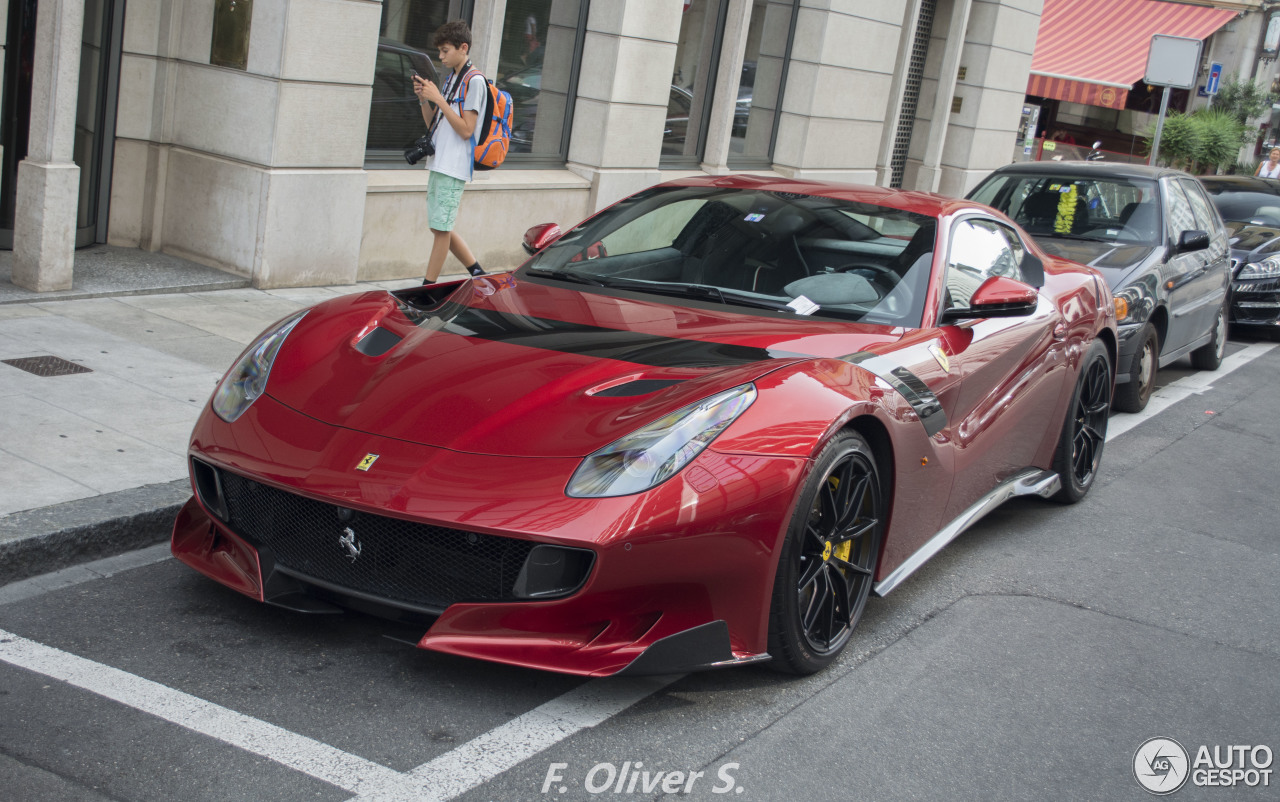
(696, 430)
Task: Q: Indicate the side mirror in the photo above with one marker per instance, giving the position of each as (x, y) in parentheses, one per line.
(998, 296)
(1097, 144)
(1193, 240)
(540, 236)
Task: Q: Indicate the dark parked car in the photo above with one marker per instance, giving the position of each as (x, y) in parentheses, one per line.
(1153, 234)
(1251, 208)
(395, 117)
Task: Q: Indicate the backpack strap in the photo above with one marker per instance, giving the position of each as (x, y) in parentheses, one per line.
(466, 80)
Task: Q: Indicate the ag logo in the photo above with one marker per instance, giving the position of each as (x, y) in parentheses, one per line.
(367, 462)
(1160, 765)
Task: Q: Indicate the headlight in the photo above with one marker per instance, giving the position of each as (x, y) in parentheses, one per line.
(247, 379)
(651, 455)
(1267, 268)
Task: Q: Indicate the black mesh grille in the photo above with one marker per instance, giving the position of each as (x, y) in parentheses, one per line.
(419, 564)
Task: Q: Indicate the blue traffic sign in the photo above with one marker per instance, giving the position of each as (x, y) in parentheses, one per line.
(1215, 74)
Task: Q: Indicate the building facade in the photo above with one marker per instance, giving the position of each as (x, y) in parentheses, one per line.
(264, 137)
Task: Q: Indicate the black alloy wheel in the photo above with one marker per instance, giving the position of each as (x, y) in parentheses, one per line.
(827, 566)
(1084, 433)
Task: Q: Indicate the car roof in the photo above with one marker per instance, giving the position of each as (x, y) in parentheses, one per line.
(1090, 170)
(926, 203)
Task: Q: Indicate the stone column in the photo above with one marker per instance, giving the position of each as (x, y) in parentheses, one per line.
(930, 173)
(44, 235)
(838, 89)
(623, 89)
(897, 93)
(733, 44)
(980, 137)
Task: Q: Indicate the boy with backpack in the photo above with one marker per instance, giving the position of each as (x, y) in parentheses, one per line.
(451, 114)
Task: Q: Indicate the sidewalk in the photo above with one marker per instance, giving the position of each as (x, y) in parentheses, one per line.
(93, 462)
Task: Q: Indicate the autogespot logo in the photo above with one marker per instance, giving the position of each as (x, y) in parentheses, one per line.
(1160, 765)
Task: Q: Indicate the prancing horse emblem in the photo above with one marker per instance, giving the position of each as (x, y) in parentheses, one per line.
(348, 539)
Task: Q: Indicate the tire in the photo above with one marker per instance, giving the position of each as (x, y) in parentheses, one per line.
(828, 558)
(1133, 395)
(1084, 432)
(1209, 356)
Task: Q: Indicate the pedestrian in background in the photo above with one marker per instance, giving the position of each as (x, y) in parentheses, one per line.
(1271, 167)
(451, 113)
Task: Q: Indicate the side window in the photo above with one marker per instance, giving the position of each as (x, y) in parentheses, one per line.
(980, 249)
(1206, 218)
(1177, 210)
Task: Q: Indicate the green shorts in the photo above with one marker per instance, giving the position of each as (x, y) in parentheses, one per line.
(444, 196)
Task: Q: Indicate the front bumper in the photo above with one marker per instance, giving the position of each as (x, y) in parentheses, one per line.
(1255, 302)
(665, 565)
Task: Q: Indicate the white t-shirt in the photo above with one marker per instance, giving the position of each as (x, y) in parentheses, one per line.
(455, 156)
(1264, 172)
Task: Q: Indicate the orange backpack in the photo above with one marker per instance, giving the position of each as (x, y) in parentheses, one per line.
(492, 138)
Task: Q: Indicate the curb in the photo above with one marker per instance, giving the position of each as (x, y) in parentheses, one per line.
(37, 541)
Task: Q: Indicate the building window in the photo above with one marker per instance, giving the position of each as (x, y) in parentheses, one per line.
(693, 83)
(764, 70)
(404, 47)
(538, 66)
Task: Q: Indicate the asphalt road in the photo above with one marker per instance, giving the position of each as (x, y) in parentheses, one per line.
(1029, 660)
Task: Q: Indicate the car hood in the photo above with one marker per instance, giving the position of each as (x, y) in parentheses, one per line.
(511, 367)
(1116, 262)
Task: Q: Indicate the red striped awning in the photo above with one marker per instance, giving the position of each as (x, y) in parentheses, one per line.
(1093, 51)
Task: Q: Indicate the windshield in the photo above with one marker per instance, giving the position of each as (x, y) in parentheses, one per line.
(782, 252)
(1121, 210)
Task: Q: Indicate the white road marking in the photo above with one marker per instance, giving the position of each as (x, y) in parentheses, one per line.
(485, 757)
(298, 752)
(443, 778)
(457, 771)
(1183, 388)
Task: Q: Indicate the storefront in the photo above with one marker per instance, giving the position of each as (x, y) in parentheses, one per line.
(265, 138)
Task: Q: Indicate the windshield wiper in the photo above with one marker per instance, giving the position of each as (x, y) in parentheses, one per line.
(727, 297)
(564, 275)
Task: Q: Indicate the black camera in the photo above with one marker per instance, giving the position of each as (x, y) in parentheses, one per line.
(421, 147)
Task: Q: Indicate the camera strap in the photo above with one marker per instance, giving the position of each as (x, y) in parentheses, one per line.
(452, 89)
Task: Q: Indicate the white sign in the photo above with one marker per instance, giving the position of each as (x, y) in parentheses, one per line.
(1173, 61)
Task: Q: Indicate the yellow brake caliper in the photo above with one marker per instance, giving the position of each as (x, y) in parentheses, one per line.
(840, 550)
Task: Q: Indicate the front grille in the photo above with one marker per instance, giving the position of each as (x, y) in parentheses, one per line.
(1256, 285)
(413, 563)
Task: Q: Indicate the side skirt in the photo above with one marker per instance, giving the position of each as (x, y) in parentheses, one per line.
(1030, 482)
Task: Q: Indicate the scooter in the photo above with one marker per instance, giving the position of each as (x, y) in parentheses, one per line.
(1095, 155)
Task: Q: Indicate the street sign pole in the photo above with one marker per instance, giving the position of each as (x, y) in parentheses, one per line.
(1172, 62)
(1155, 143)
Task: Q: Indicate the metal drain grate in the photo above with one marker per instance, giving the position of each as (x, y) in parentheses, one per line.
(46, 365)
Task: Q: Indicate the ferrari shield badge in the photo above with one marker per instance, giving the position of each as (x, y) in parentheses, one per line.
(941, 357)
(367, 462)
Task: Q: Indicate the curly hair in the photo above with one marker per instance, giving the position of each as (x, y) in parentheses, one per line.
(455, 32)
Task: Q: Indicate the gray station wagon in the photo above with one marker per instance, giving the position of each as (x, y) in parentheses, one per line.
(1154, 235)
